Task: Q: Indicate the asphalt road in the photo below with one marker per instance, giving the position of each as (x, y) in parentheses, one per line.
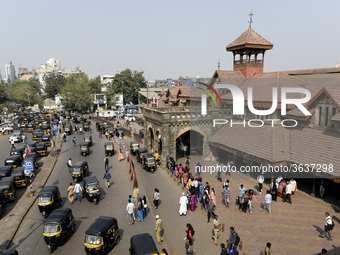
(29, 238)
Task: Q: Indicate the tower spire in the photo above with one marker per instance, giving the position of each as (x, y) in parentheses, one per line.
(250, 18)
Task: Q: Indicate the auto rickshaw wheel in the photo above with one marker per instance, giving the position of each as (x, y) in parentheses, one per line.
(50, 248)
(73, 229)
(118, 240)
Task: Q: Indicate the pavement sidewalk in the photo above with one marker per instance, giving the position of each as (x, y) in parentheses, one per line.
(11, 222)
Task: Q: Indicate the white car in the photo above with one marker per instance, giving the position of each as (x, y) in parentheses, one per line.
(130, 117)
(16, 137)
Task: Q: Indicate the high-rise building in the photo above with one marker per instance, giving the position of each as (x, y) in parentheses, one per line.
(9, 72)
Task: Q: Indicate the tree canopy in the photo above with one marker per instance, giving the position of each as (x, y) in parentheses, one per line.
(53, 84)
(95, 85)
(127, 82)
(25, 91)
(76, 94)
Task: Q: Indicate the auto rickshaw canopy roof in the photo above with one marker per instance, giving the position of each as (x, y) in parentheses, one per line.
(101, 225)
(58, 216)
(18, 171)
(90, 179)
(84, 144)
(9, 252)
(134, 142)
(108, 143)
(80, 163)
(5, 172)
(148, 155)
(142, 150)
(6, 168)
(18, 149)
(48, 191)
(41, 145)
(13, 158)
(143, 244)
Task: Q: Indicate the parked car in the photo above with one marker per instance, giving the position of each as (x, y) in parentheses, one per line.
(16, 137)
(4, 127)
(130, 117)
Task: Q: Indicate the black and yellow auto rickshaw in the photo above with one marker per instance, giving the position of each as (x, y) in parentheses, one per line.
(9, 252)
(134, 146)
(119, 132)
(8, 184)
(91, 189)
(5, 171)
(86, 126)
(149, 162)
(30, 127)
(80, 170)
(49, 198)
(46, 128)
(84, 148)
(101, 236)
(143, 244)
(111, 132)
(19, 177)
(2, 201)
(139, 153)
(68, 129)
(88, 139)
(97, 125)
(38, 137)
(58, 226)
(13, 161)
(25, 120)
(33, 156)
(36, 124)
(18, 151)
(41, 149)
(35, 132)
(23, 127)
(47, 140)
(109, 149)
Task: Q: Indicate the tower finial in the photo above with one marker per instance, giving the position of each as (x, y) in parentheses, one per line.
(218, 65)
(250, 18)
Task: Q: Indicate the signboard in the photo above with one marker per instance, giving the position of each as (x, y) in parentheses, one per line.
(28, 167)
(55, 127)
(169, 80)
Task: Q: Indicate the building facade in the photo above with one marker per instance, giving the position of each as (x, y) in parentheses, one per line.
(9, 72)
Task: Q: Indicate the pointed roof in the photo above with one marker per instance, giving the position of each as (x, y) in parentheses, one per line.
(250, 39)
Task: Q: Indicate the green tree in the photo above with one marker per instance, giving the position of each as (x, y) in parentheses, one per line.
(25, 92)
(127, 82)
(54, 83)
(95, 85)
(76, 92)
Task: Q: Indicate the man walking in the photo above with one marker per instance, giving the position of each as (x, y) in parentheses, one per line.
(183, 205)
(211, 209)
(107, 178)
(70, 193)
(232, 239)
(219, 170)
(267, 250)
(322, 187)
(224, 250)
(74, 141)
(268, 201)
(81, 131)
(69, 164)
(90, 130)
(217, 227)
(288, 193)
(64, 136)
(12, 143)
(106, 163)
(226, 192)
(329, 225)
(260, 180)
(77, 189)
(241, 191)
(130, 208)
(158, 229)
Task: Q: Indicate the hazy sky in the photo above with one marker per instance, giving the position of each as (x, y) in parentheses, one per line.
(165, 39)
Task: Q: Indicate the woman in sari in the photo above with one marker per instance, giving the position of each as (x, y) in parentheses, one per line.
(280, 189)
(189, 198)
(121, 155)
(193, 202)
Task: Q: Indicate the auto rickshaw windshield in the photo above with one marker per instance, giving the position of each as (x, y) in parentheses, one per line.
(135, 146)
(76, 169)
(93, 187)
(92, 239)
(51, 228)
(44, 199)
(110, 146)
(84, 147)
(151, 160)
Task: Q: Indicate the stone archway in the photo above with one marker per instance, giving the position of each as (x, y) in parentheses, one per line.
(151, 139)
(190, 141)
(158, 141)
